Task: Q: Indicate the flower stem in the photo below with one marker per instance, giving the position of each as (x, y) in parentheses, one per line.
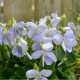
(56, 58)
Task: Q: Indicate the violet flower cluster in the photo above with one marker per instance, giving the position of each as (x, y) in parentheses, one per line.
(45, 36)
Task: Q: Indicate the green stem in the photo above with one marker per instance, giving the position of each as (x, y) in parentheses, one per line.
(76, 27)
(65, 23)
(56, 51)
(56, 58)
(70, 69)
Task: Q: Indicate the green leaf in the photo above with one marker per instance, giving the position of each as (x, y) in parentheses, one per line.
(7, 73)
(53, 76)
(21, 72)
(71, 75)
(59, 69)
(61, 54)
(13, 78)
(1, 74)
(70, 59)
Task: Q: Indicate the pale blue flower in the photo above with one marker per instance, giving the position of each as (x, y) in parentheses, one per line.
(19, 50)
(31, 26)
(38, 75)
(51, 32)
(54, 34)
(6, 37)
(69, 41)
(15, 31)
(71, 25)
(47, 56)
(24, 32)
(43, 20)
(37, 34)
(55, 19)
(19, 24)
(57, 38)
(36, 46)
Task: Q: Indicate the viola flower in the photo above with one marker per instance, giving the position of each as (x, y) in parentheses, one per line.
(20, 47)
(19, 24)
(43, 20)
(18, 50)
(36, 45)
(69, 41)
(71, 25)
(37, 33)
(55, 19)
(54, 34)
(6, 37)
(57, 38)
(47, 56)
(38, 75)
(24, 32)
(15, 30)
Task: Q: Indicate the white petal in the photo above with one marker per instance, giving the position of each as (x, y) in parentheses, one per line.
(31, 73)
(37, 38)
(63, 46)
(69, 49)
(54, 22)
(47, 40)
(46, 72)
(20, 24)
(37, 54)
(41, 78)
(31, 25)
(71, 25)
(23, 42)
(29, 56)
(66, 28)
(71, 42)
(47, 46)
(24, 32)
(60, 63)
(52, 56)
(69, 34)
(36, 46)
(42, 27)
(48, 60)
(1, 37)
(57, 38)
(31, 33)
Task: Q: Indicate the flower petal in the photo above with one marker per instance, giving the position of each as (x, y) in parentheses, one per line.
(57, 38)
(1, 37)
(37, 54)
(52, 56)
(41, 78)
(20, 24)
(36, 46)
(54, 22)
(30, 25)
(31, 73)
(63, 46)
(71, 42)
(69, 49)
(46, 72)
(47, 46)
(69, 34)
(47, 40)
(48, 60)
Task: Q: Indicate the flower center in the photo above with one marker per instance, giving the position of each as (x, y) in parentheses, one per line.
(5, 35)
(36, 31)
